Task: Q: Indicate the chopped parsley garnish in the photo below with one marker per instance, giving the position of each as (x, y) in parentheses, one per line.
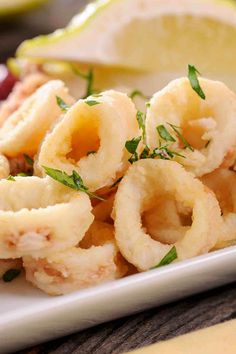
(116, 182)
(73, 181)
(89, 77)
(145, 154)
(181, 137)
(91, 102)
(164, 134)
(28, 160)
(10, 275)
(62, 104)
(11, 178)
(169, 258)
(131, 146)
(148, 104)
(138, 93)
(141, 122)
(193, 78)
(24, 174)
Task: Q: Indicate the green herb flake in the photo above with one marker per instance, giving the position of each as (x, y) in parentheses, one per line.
(148, 104)
(181, 137)
(10, 275)
(169, 258)
(91, 102)
(145, 154)
(62, 104)
(89, 77)
(141, 123)
(164, 134)
(132, 145)
(28, 160)
(193, 78)
(24, 174)
(73, 181)
(138, 93)
(11, 178)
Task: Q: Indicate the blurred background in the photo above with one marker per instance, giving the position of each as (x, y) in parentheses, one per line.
(43, 19)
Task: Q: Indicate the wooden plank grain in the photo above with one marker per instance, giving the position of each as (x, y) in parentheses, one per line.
(149, 327)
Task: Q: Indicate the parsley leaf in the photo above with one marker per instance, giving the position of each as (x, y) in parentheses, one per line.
(138, 93)
(89, 77)
(169, 258)
(62, 104)
(132, 145)
(91, 102)
(164, 134)
(28, 160)
(181, 137)
(145, 154)
(10, 275)
(141, 123)
(73, 181)
(11, 178)
(192, 75)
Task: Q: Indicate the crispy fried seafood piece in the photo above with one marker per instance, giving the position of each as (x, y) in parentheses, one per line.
(91, 139)
(24, 130)
(4, 167)
(223, 183)
(21, 91)
(145, 182)
(7, 264)
(78, 268)
(38, 217)
(209, 126)
(165, 223)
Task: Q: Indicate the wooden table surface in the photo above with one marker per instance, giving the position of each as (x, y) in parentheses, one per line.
(148, 327)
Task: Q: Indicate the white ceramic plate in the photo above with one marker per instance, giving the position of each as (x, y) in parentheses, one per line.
(28, 316)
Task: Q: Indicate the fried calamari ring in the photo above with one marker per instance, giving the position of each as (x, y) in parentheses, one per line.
(7, 264)
(38, 217)
(77, 268)
(24, 130)
(146, 181)
(164, 222)
(223, 183)
(208, 125)
(102, 211)
(20, 92)
(4, 167)
(91, 139)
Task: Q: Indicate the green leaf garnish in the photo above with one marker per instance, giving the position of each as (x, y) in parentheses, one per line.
(11, 178)
(169, 258)
(164, 134)
(10, 275)
(116, 182)
(73, 181)
(91, 102)
(89, 77)
(148, 104)
(192, 75)
(145, 154)
(138, 93)
(62, 104)
(181, 137)
(141, 123)
(24, 174)
(132, 145)
(28, 160)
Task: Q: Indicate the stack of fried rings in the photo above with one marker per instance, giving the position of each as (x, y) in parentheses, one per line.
(67, 239)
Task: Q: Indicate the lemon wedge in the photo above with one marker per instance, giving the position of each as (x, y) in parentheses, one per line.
(158, 38)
